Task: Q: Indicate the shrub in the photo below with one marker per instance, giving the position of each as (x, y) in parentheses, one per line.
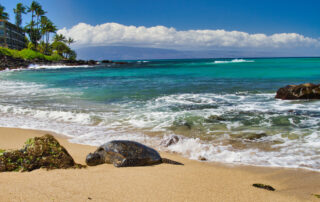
(5, 51)
(9, 52)
(28, 54)
(53, 57)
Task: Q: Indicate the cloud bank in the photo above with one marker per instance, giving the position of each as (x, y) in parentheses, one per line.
(114, 34)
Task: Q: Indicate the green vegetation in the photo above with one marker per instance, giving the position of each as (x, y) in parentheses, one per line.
(19, 10)
(317, 195)
(2, 151)
(39, 31)
(38, 152)
(29, 54)
(3, 15)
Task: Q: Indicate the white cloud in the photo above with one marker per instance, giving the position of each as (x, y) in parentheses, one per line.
(164, 37)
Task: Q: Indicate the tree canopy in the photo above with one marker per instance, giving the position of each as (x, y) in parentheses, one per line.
(39, 30)
(3, 15)
(19, 10)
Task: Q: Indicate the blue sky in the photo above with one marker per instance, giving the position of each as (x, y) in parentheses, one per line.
(247, 17)
(263, 16)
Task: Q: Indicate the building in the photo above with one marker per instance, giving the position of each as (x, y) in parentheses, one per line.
(11, 36)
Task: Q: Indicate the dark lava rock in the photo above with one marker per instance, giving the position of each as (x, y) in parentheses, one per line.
(249, 136)
(106, 61)
(17, 63)
(264, 186)
(201, 158)
(12, 63)
(215, 118)
(38, 152)
(302, 91)
(174, 139)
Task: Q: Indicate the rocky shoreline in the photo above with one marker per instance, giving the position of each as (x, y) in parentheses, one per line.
(8, 62)
(296, 92)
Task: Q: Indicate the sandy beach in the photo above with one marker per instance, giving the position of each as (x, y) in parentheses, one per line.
(195, 181)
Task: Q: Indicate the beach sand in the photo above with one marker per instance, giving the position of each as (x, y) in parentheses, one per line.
(195, 181)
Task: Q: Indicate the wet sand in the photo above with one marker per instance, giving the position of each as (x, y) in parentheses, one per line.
(195, 181)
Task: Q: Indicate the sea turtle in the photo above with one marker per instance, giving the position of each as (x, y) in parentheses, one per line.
(122, 153)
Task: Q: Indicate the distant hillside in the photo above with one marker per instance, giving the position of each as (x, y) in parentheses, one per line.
(138, 53)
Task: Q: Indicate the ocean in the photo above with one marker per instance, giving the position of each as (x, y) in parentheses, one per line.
(223, 110)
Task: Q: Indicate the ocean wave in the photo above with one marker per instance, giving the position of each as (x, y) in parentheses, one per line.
(61, 66)
(231, 61)
(290, 154)
(143, 61)
(213, 126)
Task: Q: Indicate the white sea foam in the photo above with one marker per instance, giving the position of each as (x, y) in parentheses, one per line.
(61, 66)
(232, 61)
(30, 105)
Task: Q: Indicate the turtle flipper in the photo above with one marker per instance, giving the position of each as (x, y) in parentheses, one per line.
(131, 163)
(168, 161)
(118, 160)
(118, 163)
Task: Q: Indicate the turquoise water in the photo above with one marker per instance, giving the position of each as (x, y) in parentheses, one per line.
(223, 109)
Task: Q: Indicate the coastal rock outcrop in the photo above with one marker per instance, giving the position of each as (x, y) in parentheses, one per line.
(302, 91)
(170, 140)
(38, 152)
(12, 63)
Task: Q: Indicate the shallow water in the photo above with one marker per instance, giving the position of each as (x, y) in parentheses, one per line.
(223, 108)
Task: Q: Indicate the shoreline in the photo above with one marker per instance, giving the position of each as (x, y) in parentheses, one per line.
(11, 63)
(195, 181)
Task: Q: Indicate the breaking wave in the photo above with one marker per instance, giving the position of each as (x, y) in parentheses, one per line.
(232, 61)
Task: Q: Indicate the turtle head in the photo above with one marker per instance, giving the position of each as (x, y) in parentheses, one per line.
(94, 159)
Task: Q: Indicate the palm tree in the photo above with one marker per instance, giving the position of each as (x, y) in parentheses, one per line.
(35, 33)
(19, 10)
(61, 48)
(3, 15)
(47, 27)
(44, 26)
(39, 13)
(60, 37)
(34, 6)
(70, 41)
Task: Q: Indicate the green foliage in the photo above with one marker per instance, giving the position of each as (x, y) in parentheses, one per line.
(60, 47)
(39, 30)
(28, 54)
(5, 51)
(9, 52)
(33, 29)
(34, 34)
(31, 46)
(2, 151)
(38, 152)
(29, 142)
(19, 10)
(72, 55)
(3, 15)
(42, 47)
(54, 57)
(60, 38)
